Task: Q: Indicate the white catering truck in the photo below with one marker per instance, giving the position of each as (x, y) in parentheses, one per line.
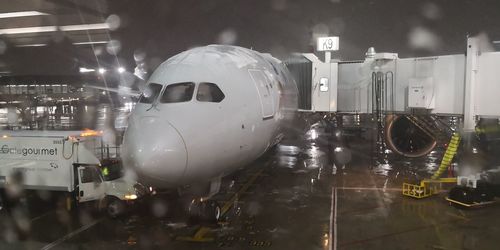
(65, 163)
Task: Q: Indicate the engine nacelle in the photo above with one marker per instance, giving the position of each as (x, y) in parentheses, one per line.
(406, 138)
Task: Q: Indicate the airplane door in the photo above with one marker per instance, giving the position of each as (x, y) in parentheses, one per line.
(321, 90)
(324, 96)
(265, 95)
(90, 184)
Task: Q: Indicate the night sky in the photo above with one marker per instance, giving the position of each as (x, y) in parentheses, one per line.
(166, 27)
(439, 27)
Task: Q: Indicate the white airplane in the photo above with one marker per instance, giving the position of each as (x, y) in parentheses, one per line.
(205, 113)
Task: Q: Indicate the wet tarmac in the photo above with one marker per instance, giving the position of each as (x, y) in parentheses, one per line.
(297, 196)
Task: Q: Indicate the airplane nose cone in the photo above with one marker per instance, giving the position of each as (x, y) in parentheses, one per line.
(156, 151)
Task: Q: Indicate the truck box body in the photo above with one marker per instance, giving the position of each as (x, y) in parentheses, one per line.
(45, 159)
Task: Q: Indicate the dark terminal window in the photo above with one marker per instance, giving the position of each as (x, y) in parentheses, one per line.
(209, 92)
(150, 93)
(178, 92)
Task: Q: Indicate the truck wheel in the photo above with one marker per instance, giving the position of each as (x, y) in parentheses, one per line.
(115, 207)
(69, 203)
(65, 202)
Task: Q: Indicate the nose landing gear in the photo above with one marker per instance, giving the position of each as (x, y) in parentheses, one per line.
(200, 211)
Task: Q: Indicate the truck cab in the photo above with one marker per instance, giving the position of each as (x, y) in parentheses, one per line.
(114, 193)
(67, 163)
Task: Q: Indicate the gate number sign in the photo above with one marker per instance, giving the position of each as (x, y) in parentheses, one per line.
(328, 43)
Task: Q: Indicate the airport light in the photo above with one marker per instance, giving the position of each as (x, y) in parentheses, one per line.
(22, 14)
(121, 70)
(31, 45)
(86, 70)
(130, 196)
(102, 71)
(41, 29)
(89, 43)
(44, 44)
(90, 132)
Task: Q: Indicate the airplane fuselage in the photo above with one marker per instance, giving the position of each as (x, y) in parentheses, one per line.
(207, 112)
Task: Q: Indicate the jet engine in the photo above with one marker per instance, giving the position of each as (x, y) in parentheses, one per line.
(406, 137)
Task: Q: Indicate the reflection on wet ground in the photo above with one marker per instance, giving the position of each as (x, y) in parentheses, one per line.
(303, 194)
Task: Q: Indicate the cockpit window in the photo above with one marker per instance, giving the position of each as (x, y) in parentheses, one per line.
(209, 92)
(150, 93)
(178, 92)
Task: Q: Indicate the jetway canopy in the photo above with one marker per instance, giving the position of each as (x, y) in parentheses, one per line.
(300, 68)
(316, 82)
(460, 84)
(434, 83)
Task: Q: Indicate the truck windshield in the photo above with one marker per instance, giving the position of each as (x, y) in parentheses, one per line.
(112, 170)
(90, 174)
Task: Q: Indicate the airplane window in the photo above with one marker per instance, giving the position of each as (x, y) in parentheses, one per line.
(150, 93)
(178, 92)
(209, 92)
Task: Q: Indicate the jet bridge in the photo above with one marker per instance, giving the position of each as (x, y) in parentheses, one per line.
(425, 89)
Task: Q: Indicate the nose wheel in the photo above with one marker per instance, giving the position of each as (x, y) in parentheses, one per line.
(200, 210)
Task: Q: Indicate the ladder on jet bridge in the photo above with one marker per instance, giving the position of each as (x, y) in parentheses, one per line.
(434, 127)
(425, 126)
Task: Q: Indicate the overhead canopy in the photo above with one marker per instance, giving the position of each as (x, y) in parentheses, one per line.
(50, 37)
